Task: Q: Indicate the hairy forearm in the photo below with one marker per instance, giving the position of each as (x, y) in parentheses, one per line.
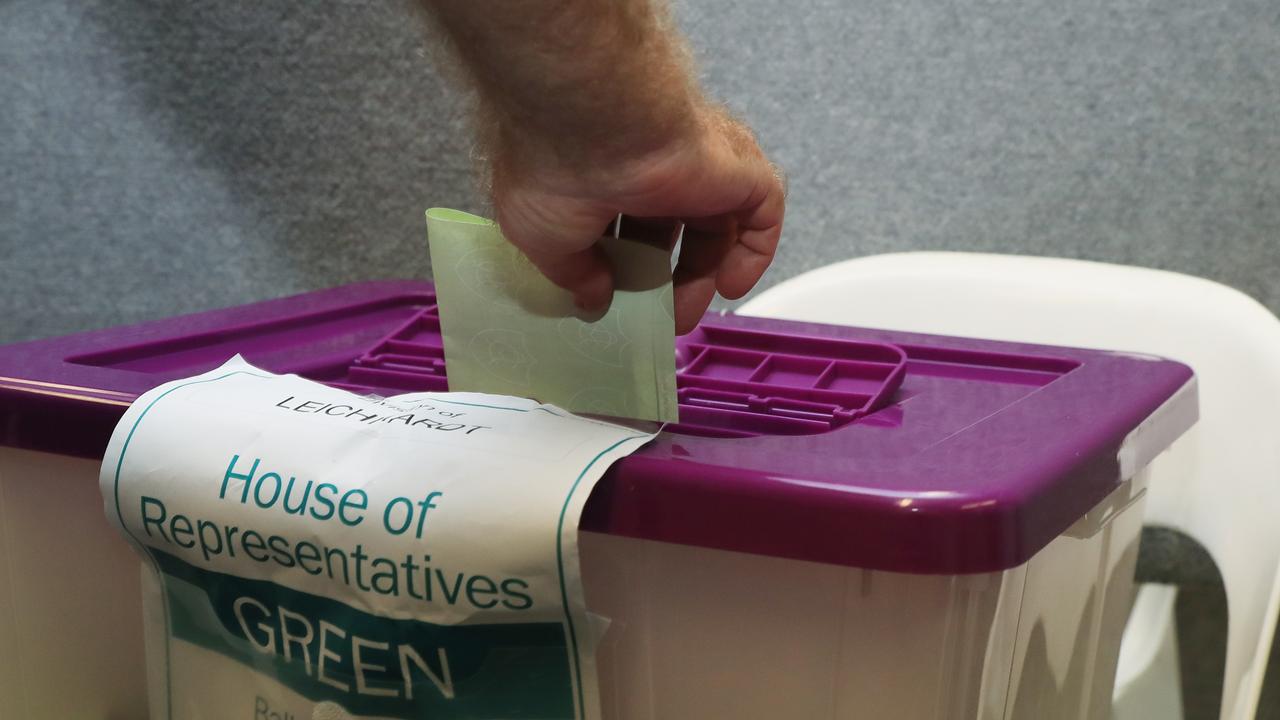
(584, 81)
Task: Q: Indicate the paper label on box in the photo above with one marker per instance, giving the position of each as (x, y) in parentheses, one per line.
(316, 554)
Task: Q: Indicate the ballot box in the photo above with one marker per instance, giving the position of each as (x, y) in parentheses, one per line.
(845, 523)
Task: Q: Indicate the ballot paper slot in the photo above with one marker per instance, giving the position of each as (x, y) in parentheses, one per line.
(408, 362)
(696, 420)
(404, 347)
(848, 400)
(750, 413)
(730, 382)
(733, 383)
(399, 379)
(420, 333)
(720, 413)
(409, 359)
(782, 407)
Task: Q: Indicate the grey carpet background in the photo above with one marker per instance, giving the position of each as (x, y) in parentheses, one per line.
(160, 157)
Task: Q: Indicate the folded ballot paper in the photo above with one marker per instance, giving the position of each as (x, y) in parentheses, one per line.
(317, 555)
(509, 330)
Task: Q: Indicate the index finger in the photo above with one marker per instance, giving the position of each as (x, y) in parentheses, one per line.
(759, 228)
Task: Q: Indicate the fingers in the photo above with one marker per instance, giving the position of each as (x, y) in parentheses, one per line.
(759, 227)
(585, 273)
(559, 238)
(759, 217)
(722, 187)
(694, 280)
(744, 238)
(733, 180)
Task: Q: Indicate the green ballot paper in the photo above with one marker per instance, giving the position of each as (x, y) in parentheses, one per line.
(508, 330)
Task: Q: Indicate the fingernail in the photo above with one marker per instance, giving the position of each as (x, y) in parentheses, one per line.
(589, 311)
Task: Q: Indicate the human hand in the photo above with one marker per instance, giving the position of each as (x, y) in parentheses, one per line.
(708, 174)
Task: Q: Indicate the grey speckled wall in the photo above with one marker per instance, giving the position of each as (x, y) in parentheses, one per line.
(161, 157)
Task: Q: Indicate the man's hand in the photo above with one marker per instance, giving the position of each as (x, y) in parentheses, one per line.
(715, 180)
(588, 110)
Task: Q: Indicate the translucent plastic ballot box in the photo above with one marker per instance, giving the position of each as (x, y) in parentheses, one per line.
(846, 523)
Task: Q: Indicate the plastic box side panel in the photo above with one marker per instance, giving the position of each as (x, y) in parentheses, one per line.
(916, 646)
(1125, 534)
(697, 633)
(71, 588)
(12, 694)
(1078, 593)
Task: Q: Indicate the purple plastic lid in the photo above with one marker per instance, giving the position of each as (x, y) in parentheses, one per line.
(866, 448)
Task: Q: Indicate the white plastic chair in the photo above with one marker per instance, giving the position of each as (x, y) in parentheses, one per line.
(1220, 484)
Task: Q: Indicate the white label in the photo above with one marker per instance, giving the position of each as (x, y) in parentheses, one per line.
(323, 555)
